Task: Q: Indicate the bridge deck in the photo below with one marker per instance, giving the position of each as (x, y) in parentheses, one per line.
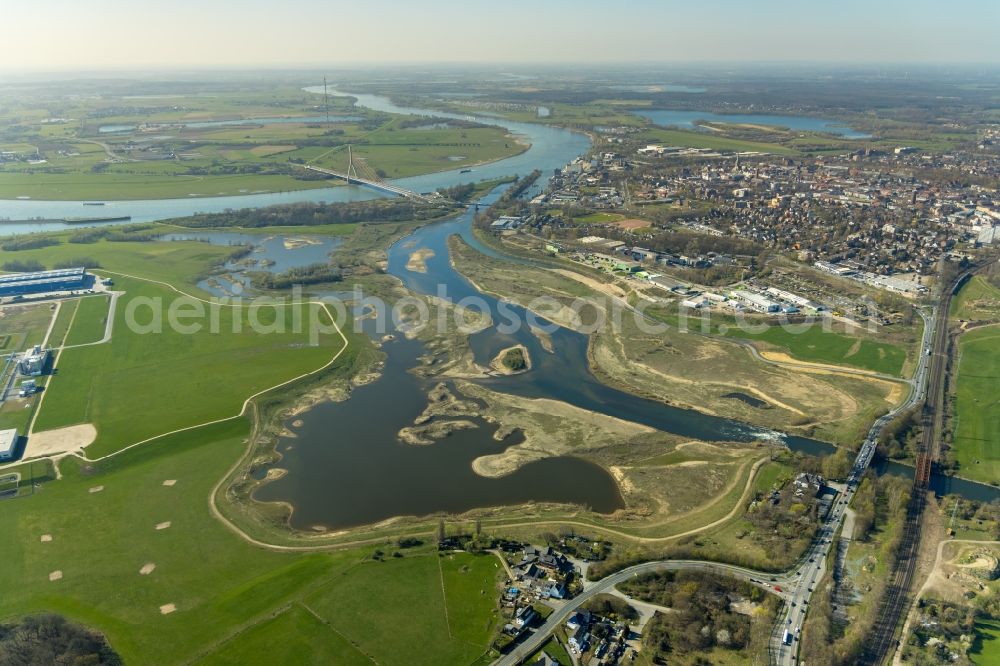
(377, 185)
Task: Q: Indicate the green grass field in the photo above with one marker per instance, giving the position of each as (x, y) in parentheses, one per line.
(235, 603)
(67, 311)
(232, 160)
(140, 385)
(295, 636)
(555, 650)
(818, 346)
(89, 321)
(202, 377)
(178, 263)
(986, 647)
(22, 326)
(977, 405)
(429, 610)
(125, 186)
(978, 300)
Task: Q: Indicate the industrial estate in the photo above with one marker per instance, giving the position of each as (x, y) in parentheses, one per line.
(517, 365)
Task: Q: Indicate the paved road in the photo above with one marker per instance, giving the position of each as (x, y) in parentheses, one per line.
(812, 569)
(109, 323)
(798, 583)
(533, 642)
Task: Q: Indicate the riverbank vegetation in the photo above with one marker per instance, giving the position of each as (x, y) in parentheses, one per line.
(686, 369)
(318, 273)
(315, 214)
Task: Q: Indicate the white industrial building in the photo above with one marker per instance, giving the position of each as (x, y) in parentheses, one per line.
(758, 302)
(33, 363)
(8, 443)
(788, 296)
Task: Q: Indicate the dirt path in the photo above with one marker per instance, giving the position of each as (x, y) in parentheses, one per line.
(732, 385)
(607, 288)
(928, 565)
(52, 324)
(70, 439)
(748, 488)
(108, 325)
(785, 360)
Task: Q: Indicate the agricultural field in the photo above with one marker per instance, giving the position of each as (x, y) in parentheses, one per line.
(148, 506)
(977, 412)
(222, 144)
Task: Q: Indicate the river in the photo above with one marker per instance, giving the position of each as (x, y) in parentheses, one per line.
(344, 464)
(686, 120)
(551, 148)
(346, 469)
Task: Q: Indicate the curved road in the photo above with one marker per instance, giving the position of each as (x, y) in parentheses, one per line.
(812, 571)
(796, 584)
(591, 589)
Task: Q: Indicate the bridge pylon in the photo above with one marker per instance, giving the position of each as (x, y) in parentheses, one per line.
(351, 169)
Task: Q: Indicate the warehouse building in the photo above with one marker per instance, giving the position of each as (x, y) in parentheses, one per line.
(39, 282)
(757, 301)
(8, 443)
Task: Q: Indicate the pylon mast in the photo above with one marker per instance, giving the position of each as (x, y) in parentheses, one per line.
(350, 164)
(326, 102)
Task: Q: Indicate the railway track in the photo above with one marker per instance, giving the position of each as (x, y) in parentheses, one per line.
(896, 600)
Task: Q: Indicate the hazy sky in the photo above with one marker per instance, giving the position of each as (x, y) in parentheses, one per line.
(71, 34)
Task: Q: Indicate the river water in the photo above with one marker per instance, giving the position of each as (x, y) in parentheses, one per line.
(346, 467)
(551, 148)
(686, 119)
